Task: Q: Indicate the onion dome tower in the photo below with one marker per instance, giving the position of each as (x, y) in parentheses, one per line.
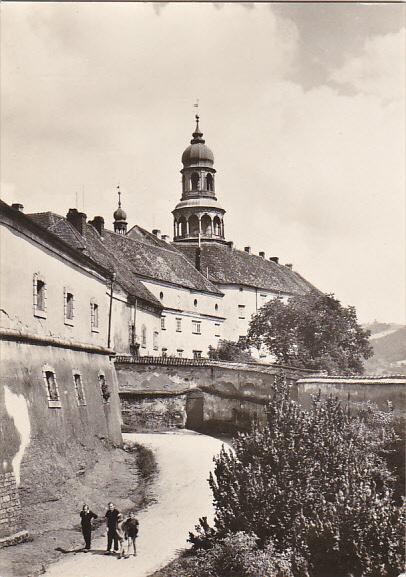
(198, 216)
(120, 217)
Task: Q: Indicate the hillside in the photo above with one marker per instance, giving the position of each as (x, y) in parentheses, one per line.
(389, 343)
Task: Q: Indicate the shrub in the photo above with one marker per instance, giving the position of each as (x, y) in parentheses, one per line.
(315, 483)
(230, 351)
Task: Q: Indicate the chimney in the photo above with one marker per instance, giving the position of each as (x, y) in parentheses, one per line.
(98, 224)
(247, 249)
(77, 219)
(289, 266)
(17, 206)
(230, 244)
(198, 264)
(274, 259)
(156, 232)
(165, 237)
(262, 254)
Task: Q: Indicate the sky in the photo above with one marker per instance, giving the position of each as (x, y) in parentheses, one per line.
(303, 106)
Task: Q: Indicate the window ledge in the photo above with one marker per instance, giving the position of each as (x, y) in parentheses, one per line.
(40, 314)
(54, 404)
(69, 322)
(95, 330)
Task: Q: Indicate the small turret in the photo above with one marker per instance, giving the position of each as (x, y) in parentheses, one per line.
(120, 216)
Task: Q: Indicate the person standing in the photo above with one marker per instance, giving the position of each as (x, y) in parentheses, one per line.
(120, 535)
(86, 516)
(111, 519)
(130, 527)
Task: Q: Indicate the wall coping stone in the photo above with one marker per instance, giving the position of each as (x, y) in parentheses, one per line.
(31, 338)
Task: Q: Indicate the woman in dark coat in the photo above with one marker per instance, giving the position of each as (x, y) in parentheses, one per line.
(86, 516)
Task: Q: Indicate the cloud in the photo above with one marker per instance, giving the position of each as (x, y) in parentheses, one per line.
(303, 110)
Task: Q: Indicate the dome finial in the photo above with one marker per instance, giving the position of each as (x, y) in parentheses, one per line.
(119, 196)
(197, 135)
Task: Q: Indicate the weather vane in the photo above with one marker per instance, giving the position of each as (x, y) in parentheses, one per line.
(119, 195)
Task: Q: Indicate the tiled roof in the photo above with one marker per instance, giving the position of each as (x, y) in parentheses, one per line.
(230, 266)
(158, 262)
(93, 246)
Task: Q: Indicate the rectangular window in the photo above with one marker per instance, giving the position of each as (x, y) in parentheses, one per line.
(54, 400)
(104, 388)
(178, 325)
(216, 329)
(143, 336)
(68, 307)
(94, 316)
(39, 296)
(179, 353)
(197, 355)
(80, 393)
(164, 353)
(196, 327)
(241, 311)
(163, 328)
(155, 340)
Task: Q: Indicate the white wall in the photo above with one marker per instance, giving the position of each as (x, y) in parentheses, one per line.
(21, 258)
(179, 303)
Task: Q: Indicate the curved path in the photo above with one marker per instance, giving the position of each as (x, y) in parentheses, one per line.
(183, 495)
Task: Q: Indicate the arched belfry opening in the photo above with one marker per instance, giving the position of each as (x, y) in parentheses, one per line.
(198, 217)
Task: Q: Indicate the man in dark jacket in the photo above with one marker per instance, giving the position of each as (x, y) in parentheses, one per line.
(86, 516)
(111, 519)
(130, 527)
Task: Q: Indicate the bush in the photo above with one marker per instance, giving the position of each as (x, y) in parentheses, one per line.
(230, 351)
(238, 555)
(314, 483)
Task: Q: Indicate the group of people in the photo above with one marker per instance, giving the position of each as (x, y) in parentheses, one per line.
(122, 533)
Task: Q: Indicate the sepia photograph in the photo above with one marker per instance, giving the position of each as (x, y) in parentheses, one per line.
(202, 294)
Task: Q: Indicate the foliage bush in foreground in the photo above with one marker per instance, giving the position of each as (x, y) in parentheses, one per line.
(315, 484)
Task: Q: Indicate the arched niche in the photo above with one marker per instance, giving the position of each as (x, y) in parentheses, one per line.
(206, 225)
(194, 225)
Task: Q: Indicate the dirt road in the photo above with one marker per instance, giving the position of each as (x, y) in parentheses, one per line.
(182, 496)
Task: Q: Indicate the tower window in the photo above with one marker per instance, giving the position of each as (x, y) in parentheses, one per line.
(194, 179)
(209, 182)
(217, 226)
(216, 307)
(195, 302)
(161, 295)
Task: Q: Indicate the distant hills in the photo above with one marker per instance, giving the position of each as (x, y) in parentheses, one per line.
(389, 343)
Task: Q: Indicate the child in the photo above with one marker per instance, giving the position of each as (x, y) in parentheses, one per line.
(86, 516)
(130, 527)
(120, 534)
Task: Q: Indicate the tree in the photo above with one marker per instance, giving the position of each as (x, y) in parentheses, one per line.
(313, 483)
(230, 351)
(312, 331)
